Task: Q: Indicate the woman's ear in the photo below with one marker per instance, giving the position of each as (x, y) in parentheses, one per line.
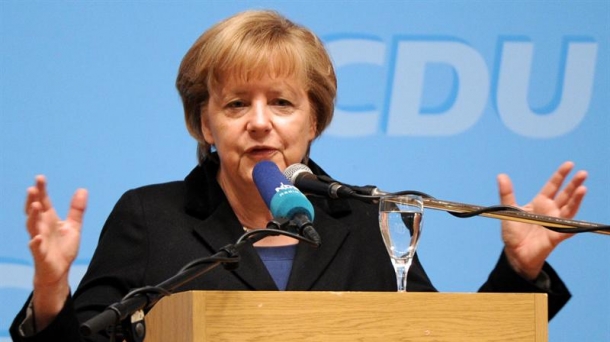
(205, 128)
(313, 128)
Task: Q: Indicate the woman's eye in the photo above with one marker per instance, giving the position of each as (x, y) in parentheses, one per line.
(282, 102)
(236, 104)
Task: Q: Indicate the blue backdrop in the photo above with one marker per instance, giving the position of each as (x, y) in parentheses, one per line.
(433, 96)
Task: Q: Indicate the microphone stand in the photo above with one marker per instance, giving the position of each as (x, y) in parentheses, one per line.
(127, 315)
(515, 214)
(502, 212)
(323, 185)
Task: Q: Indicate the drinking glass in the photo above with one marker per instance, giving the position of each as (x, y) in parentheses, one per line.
(400, 221)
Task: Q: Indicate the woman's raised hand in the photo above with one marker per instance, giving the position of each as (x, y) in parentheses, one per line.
(54, 245)
(527, 245)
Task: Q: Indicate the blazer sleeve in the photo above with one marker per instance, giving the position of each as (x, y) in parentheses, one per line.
(64, 327)
(504, 279)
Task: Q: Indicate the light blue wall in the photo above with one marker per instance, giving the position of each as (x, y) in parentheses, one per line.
(87, 98)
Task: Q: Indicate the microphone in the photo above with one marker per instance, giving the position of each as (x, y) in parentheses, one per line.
(304, 179)
(283, 199)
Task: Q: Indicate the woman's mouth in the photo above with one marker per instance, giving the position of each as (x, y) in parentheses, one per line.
(261, 152)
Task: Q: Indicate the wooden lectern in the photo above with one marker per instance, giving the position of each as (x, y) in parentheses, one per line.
(347, 316)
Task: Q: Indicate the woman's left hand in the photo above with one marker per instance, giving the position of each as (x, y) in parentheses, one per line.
(528, 245)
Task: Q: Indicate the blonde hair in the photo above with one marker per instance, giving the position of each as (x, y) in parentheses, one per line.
(248, 45)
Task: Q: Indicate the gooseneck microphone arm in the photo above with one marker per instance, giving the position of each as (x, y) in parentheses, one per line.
(127, 315)
(502, 212)
(304, 179)
(510, 213)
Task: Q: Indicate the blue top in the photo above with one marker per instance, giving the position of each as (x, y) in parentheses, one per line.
(278, 260)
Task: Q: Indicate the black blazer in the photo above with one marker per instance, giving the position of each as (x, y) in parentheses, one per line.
(155, 230)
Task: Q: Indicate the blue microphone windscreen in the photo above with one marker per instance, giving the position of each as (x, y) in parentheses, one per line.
(281, 197)
(267, 177)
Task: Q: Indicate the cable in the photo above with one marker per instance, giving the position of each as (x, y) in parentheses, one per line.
(504, 209)
(146, 297)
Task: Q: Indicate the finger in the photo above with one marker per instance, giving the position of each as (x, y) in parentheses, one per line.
(571, 189)
(41, 185)
(553, 185)
(31, 197)
(77, 207)
(505, 189)
(36, 247)
(570, 209)
(33, 218)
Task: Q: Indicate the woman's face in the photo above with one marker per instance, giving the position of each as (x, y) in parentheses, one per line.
(262, 119)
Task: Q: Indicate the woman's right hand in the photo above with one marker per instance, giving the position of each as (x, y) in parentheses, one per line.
(54, 245)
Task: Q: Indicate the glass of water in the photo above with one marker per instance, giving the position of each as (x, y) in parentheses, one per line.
(400, 221)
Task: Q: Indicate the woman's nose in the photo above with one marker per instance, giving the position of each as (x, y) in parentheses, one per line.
(259, 118)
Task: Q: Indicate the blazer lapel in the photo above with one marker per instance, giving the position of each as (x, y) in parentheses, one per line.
(310, 262)
(222, 228)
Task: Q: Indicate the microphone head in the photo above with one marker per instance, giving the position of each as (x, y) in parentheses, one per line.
(294, 170)
(282, 198)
